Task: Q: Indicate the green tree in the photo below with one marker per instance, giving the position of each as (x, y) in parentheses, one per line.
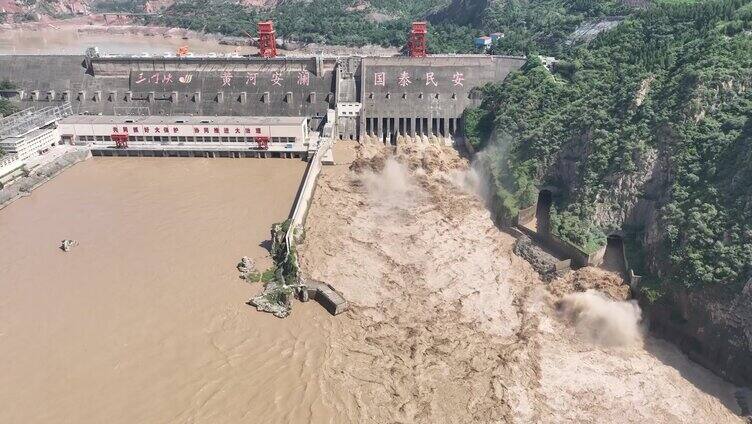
(6, 107)
(669, 81)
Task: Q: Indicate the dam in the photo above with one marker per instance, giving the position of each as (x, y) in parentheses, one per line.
(377, 96)
(267, 106)
(239, 107)
(158, 334)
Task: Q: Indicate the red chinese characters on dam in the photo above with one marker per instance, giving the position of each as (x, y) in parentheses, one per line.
(240, 80)
(404, 78)
(234, 130)
(243, 80)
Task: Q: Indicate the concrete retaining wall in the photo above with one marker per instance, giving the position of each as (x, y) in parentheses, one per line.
(579, 257)
(524, 216)
(544, 240)
(303, 202)
(323, 293)
(37, 177)
(327, 296)
(634, 279)
(562, 247)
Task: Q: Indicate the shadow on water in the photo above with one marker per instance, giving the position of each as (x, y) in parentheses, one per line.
(266, 244)
(300, 188)
(613, 258)
(701, 377)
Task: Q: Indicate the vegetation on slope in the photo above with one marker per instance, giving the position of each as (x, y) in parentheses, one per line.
(536, 25)
(6, 107)
(672, 81)
(320, 21)
(543, 26)
(126, 6)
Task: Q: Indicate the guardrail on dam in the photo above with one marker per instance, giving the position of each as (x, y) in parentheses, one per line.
(379, 96)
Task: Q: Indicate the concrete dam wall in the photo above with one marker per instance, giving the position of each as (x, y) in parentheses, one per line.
(426, 95)
(172, 86)
(380, 96)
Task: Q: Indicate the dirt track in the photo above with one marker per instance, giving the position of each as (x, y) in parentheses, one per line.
(448, 325)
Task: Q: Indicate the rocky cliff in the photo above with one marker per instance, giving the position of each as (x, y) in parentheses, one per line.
(653, 139)
(714, 328)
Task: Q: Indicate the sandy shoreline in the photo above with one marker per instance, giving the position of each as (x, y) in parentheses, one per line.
(75, 35)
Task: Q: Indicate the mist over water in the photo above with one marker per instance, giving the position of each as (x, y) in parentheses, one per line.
(392, 187)
(601, 320)
(472, 180)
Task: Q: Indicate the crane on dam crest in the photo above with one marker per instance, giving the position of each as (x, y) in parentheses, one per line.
(270, 105)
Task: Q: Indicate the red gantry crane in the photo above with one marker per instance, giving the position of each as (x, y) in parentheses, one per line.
(416, 45)
(267, 39)
(263, 142)
(120, 139)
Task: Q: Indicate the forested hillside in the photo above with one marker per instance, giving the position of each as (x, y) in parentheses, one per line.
(536, 25)
(340, 22)
(657, 110)
(6, 107)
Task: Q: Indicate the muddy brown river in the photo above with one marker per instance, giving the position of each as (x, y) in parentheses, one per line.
(145, 321)
(71, 39)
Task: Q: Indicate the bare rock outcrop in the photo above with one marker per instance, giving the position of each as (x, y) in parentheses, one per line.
(713, 326)
(247, 269)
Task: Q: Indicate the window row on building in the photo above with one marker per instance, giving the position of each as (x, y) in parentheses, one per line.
(30, 144)
(181, 139)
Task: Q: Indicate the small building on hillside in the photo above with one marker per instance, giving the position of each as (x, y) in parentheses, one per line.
(496, 36)
(483, 42)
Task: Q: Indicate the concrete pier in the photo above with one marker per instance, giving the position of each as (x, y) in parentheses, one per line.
(321, 292)
(329, 298)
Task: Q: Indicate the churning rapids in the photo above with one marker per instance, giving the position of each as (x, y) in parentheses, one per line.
(451, 326)
(145, 321)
